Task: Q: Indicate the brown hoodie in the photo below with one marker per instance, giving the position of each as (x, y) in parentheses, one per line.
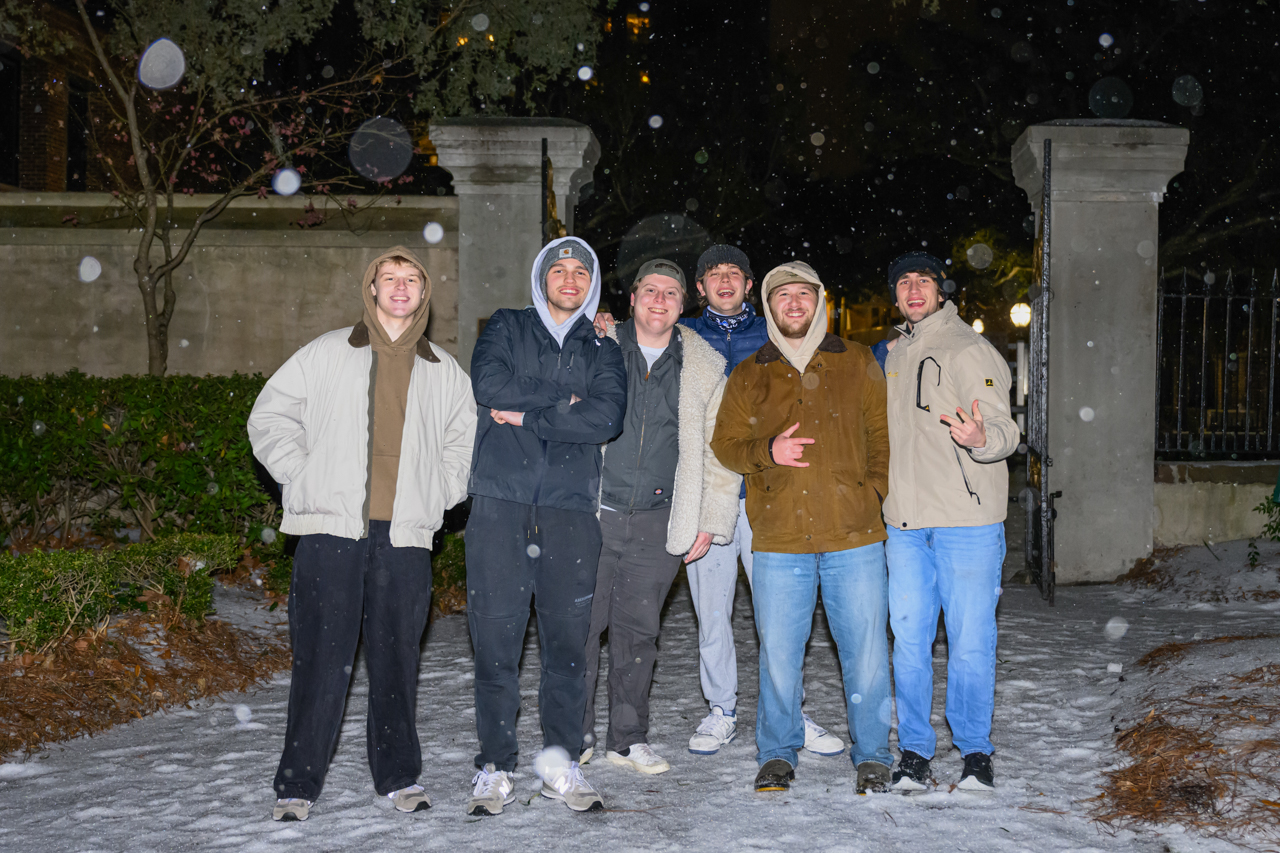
(389, 381)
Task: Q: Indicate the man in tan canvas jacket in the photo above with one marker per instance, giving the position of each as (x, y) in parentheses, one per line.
(949, 432)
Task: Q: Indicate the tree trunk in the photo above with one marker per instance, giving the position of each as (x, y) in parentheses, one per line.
(157, 327)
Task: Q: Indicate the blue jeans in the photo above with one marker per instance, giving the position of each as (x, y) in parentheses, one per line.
(854, 591)
(957, 569)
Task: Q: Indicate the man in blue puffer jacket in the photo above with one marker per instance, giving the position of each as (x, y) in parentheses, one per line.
(730, 324)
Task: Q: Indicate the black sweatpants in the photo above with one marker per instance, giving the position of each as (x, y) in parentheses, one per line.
(516, 552)
(340, 588)
(632, 583)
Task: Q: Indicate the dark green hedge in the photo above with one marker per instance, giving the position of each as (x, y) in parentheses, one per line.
(160, 454)
(46, 595)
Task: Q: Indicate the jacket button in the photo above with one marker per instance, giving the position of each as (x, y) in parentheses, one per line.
(804, 491)
(808, 537)
(904, 524)
(859, 485)
(801, 402)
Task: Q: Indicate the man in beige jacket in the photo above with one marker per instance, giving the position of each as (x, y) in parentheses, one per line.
(369, 431)
(949, 433)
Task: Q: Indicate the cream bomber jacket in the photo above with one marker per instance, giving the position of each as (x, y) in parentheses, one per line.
(938, 365)
(310, 428)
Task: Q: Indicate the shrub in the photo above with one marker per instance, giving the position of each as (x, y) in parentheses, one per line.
(47, 595)
(1271, 509)
(162, 454)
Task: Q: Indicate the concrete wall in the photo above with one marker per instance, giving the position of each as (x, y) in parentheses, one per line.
(1211, 501)
(255, 288)
(1108, 180)
(496, 164)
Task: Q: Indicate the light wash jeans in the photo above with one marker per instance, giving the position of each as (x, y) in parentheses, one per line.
(854, 591)
(713, 580)
(957, 569)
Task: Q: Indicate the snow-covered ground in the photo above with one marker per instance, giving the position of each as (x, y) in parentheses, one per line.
(200, 779)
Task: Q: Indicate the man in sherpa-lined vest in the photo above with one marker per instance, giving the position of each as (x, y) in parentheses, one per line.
(369, 431)
(663, 496)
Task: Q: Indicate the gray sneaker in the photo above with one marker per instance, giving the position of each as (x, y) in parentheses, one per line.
(569, 786)
(410, 799)
(873, 778)
(291, 808)
(494, 789)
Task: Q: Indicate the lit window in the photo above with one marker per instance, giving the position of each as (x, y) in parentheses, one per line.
(637, 24)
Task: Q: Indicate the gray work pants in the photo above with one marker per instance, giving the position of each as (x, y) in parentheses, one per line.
(632, 581)
(712, 582)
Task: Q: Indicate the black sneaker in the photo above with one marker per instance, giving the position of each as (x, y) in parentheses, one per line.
(775, 775)
(978, 775)
(912, 774)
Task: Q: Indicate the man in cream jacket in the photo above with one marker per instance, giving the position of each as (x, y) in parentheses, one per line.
(949, 434)
(369, 431)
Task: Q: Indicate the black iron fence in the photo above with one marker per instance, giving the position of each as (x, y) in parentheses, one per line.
(1216, 390)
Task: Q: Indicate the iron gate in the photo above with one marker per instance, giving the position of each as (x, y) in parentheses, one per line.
(1216, 377)
(1037, 499)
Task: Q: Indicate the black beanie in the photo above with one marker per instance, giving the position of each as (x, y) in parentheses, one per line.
(916, 262)
(722, 253)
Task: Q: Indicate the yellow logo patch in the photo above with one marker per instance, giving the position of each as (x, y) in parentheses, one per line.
(990, 384)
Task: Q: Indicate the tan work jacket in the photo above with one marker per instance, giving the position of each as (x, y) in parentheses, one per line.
(936, 366)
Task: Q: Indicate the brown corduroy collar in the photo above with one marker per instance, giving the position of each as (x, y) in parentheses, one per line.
(360, 338)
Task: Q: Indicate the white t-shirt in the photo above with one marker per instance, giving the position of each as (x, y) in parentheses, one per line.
(651, 354)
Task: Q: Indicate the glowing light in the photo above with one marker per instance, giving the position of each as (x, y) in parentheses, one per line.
(1020, 314)
(978, 325)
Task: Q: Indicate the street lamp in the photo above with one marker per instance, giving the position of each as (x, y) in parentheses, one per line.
(1020, 314)
(978, 326)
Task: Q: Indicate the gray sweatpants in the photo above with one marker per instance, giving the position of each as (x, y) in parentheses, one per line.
(713, 581)
(632, 581)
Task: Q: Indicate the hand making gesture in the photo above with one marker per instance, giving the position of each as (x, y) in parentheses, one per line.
(967, 432)
(787, 450)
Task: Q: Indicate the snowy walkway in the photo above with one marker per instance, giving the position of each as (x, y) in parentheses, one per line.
(200, 779)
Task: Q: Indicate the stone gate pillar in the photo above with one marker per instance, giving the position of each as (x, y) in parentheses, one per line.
(496, 165)
(1109, 178)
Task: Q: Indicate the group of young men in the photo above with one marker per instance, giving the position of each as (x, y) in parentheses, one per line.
(599, 457)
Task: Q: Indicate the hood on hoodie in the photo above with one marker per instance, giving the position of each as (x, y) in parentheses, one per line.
(788, 273)
(588, 306)
(368, 327)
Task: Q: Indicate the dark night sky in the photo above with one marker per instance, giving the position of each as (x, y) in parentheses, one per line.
(916, 106)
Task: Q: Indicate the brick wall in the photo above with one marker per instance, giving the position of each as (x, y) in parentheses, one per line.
(42, 150)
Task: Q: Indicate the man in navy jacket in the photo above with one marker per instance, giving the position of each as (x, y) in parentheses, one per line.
(550, 393)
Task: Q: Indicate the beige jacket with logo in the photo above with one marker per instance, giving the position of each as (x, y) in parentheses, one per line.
(938, 365)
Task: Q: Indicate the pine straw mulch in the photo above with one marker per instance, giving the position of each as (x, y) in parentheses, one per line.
(136, 665)
(1208, 758)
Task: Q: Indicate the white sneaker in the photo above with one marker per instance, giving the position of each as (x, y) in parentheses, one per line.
(568, 785)
(410, 799)
(639, 756)
(715, 730)
(494, 789)
(291, 808)
(818, 740)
